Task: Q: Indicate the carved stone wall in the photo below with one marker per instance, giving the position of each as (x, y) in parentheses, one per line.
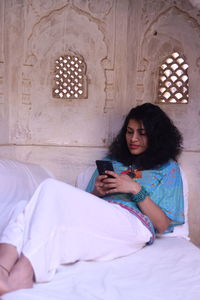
(169, 26)
(4, 105)
(174, 29)
(123, 44)
(50, 31)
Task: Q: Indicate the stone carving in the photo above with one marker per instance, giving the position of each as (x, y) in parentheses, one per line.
(102, 7)
(26, 84)
(49, 28)
(198, 63)
(46, 22)
(2, 31)
(20, 133)
(41, 7)
(195, 3)
(109, 90)
(70, 77)
(2, 64)
(152, 8)
(158, 43)
(55, 33)
(1, 83)
(173, 80)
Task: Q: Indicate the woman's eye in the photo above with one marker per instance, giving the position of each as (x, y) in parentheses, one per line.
(142, 133)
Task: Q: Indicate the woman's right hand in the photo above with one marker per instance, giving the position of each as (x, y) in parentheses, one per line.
(99, 187)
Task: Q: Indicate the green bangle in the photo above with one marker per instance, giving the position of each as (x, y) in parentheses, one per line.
(140, 196)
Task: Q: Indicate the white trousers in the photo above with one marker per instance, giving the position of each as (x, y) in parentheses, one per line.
(62, 224)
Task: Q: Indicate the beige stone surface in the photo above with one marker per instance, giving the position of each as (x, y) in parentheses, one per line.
(190, 162)
(65, 163)
(123, 44)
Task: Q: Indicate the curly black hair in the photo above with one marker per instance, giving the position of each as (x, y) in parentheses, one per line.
(164, 139)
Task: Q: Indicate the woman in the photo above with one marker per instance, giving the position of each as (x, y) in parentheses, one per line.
(62, 224)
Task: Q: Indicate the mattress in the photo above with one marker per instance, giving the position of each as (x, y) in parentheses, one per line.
(168, 269)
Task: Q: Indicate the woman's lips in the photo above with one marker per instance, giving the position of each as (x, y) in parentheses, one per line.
(134, 146)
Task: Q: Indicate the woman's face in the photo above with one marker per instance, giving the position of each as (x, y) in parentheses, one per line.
(136, 138)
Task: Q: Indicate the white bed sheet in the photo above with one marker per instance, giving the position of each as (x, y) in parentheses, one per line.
(168, 269)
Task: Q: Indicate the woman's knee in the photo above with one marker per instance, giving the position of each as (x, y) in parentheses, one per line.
(50, 184)
(52, 189)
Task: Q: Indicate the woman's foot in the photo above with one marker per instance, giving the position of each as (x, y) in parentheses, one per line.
(8, 257)
(20, 277)
(4, 285)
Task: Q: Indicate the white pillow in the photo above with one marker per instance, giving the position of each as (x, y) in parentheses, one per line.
(84, 178)
(18, 181)
(179, 231)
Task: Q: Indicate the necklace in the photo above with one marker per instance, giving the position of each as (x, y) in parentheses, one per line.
(131, 171)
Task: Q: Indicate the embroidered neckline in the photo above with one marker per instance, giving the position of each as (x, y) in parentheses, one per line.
(133, 173)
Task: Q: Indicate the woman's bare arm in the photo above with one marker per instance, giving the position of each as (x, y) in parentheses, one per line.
(124, 184)
(155, 214)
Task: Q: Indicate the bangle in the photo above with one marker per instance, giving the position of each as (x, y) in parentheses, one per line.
(140, 196)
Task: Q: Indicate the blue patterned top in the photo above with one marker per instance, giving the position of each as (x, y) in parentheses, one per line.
(165, 188)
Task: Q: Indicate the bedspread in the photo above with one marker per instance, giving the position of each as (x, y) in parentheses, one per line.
(168, 269)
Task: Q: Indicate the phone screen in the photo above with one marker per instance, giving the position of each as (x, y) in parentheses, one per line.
(104, 165)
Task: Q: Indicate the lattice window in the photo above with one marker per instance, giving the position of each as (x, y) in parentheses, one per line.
(70, 77)
(173, 80)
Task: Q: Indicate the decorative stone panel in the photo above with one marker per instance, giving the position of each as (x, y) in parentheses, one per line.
(70, 77)
(2, 82)
(173, 80)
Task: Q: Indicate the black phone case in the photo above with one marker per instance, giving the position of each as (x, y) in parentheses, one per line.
(104, 165)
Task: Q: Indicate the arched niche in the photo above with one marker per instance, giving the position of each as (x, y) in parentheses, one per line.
(52, 120)
(173, 30)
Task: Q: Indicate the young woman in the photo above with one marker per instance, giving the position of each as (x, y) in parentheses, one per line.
(115, 217)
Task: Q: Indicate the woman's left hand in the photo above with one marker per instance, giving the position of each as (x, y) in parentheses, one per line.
(124, 184)
(120, 184)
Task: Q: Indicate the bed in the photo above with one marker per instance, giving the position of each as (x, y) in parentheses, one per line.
(168, 269)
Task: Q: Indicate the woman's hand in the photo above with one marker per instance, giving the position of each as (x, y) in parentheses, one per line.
(105, 185)
(124, 184)
(120, 184)
(99, 187)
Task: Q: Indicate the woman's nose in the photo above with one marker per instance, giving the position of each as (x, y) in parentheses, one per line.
(135, 136)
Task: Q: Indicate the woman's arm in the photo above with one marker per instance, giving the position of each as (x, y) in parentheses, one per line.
(124, 184)
(155, 214)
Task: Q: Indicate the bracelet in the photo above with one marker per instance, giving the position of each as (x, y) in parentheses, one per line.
(140, 196)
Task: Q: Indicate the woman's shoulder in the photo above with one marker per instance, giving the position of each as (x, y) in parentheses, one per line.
(171, 165)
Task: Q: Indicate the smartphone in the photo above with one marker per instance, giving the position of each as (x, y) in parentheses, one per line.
(104, 165)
